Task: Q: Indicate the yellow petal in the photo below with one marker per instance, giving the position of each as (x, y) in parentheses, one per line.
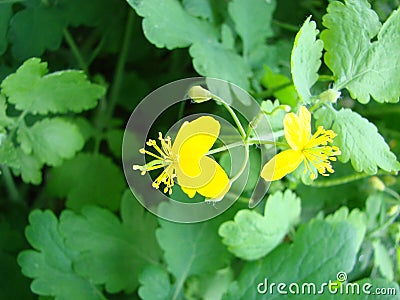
(193, 141)
(216, 185)
(297, 128)
(281, 164)
(188, 191)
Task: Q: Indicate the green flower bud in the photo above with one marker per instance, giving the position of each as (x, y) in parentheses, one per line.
(330, 95)
(199, 94)
(376, 183)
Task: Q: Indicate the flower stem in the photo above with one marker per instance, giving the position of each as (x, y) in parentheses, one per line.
(106, 113)
(226, 147)
(233, 115)
(10, 184)
(286, 26)
(119, 71)
(75, 51)
(245, 161)
(323, 78)
(248, 143)
(344, 179)
(376, 231)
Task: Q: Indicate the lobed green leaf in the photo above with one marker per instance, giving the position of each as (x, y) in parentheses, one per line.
(365, 67)
(252, 20)
(155, 284)
(30, 89)
(318, 252)
(88, 179)
(358, 140)
(251, 235)
(50, 264)
(51, 140)
(306, 59)
(111, 252)
(190, 249)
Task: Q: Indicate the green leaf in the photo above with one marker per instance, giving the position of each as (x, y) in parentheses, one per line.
(29, 167)
(373, 207)
(382, 260)
(32, 90)
(88, 179)
(199, 8)
(42, 24)
(356, 218)
(387, 290)
(252, 20)
(190, 249)
(50, 264)
(155, 284)
(51, 140)
(111, 252)
(167, 24)
(306, 59)
(275, 113)
(209, 287)
(5, 15)
(4, 119)
(8, 154)
(358, 140)
(364, 67)
(251, 235)
(114, 140)
(227, 38)
(39, 26)
(254, 175)
(318, 252)
(215, 60)
(280, 87)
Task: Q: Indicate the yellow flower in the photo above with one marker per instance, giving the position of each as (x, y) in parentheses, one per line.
(313, 150)
(186, 160)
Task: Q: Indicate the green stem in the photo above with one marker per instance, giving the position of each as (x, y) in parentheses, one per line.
(10, 184)
(253, 124)
(257, 142)
(385, 225)
(245, 161)
(181, 110)
(286, 26)
(316, 106)
(248, 143)
(226, 147)
(75, 50)
(233, 115)
(96, 50)
(119, 71)
(344, 179)
(326, 78)
(106, 113)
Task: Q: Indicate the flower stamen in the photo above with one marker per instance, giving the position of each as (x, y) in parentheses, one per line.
(164, 160)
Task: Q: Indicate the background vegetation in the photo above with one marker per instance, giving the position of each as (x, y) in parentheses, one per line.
(72, 72)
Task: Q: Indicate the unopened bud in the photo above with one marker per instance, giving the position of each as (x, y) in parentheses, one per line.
(393, 210)
(330, 95)
(199, 94)
(376, 183)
